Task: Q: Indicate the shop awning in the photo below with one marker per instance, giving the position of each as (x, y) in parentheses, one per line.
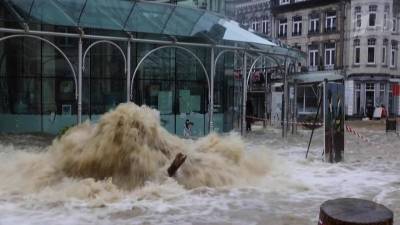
(319, 76)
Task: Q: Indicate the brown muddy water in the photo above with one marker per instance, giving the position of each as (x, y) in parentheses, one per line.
(115, 173)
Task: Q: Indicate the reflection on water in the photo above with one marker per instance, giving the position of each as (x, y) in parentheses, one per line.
(261, 181)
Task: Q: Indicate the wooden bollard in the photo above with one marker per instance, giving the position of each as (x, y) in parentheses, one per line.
(351, 211)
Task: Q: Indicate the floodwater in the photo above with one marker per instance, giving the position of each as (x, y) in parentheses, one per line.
(269, 181)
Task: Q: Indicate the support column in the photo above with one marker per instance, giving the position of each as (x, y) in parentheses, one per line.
(286, 101)
(295, 108)
(265, 94)
(128, 71)
(244, 98)
(80, 81)
(211, 114)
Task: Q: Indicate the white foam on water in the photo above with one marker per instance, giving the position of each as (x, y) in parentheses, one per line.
(37, 188)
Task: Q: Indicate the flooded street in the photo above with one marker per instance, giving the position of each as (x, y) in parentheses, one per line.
(290, 193)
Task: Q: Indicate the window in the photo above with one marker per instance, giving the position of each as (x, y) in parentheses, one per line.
(330, 55)
(385, 16)
(358, 16)
(393, 54)
(282, 28)
(358, 98)
(384, 51)
(369, 86)
(330, 22)
(264, 23)
(284, 2)
(314, 24)
(254, 25)
(382, 88)
(372, 15)
(394, 28)
(297, 26)
(371, 50)
(313, 58)
(357, 53)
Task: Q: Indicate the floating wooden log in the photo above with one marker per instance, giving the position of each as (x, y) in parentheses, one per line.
(351, 211)
(178, 161)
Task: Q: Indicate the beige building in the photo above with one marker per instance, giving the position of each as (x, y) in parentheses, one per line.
(355, 38)
(372, 62)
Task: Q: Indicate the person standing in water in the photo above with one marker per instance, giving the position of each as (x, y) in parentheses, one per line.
(187, 130)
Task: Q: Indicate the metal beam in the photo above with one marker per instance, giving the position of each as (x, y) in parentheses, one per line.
(55, 47)
(212, 76)
(177, 47)
(80, 80)
(102, 42)
(138, 40)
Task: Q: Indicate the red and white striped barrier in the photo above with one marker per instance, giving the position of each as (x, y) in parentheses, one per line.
(299, 123)
(354, 132)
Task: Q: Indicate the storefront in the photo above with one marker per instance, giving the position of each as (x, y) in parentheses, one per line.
(66, 62)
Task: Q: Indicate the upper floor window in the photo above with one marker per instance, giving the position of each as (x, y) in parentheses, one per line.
(264, 23)
(314, 24)
(282, 28)
(330, 22)
(357, 52)
(297, 26)
(284, 2)
(384, 51)
(330, 50)
(254, 25)
(393, 55)
(394, 28)
(357, 13)
(372, 15)
(313, 57)
(371, 50)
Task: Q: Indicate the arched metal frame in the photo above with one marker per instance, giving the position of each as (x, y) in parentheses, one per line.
(210, 83)
(164, 47)
(109, 40)
(55, 47)
(104, 42)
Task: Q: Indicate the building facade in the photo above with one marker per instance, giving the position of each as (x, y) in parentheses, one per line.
(355, 38)
(254, 15)
(372, 58)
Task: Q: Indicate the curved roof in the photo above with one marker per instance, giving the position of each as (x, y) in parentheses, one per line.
(133, 16)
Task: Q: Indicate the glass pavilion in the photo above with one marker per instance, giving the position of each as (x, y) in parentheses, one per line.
(65, 61)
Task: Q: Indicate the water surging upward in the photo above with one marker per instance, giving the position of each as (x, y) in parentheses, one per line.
(129, 147)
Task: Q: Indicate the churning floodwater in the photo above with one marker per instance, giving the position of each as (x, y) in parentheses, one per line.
(115, 173)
